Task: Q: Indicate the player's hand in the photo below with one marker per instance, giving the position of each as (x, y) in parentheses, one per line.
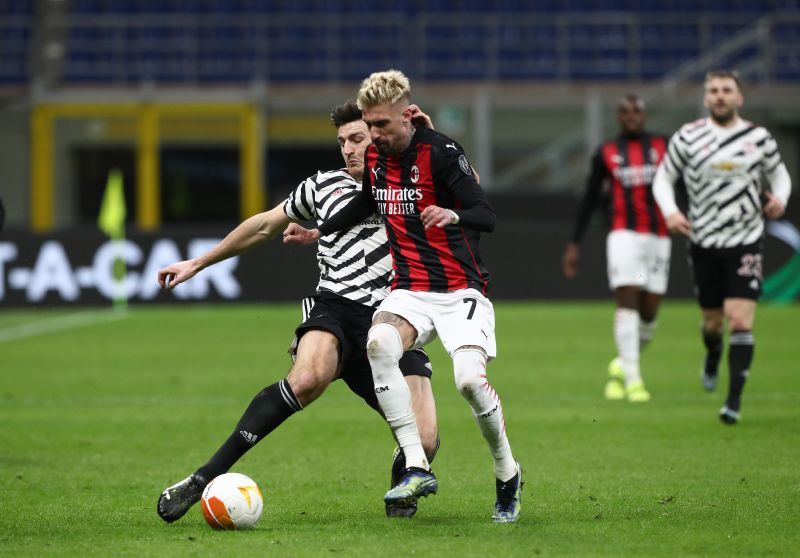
(419, 119)
(569, 262)
(297, 234)
(677, 223)
(774, 207)
(173, 275)
(435, 216)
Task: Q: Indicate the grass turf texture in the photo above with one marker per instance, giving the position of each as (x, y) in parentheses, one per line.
(98, 419)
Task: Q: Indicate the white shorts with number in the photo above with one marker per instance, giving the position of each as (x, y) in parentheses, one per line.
(463, 317)
(638, 260)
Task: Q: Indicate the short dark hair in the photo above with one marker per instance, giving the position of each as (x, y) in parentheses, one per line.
(345, 113)
(721, 73)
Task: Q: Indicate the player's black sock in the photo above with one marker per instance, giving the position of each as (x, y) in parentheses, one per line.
(740, 355)
(713, 343)
(399, 463)
(273, 405)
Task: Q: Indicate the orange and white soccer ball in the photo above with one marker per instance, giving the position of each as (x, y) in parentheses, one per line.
(232, 501)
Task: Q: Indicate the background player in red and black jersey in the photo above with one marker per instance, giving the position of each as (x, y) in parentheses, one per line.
(423, 186)
(638, 246)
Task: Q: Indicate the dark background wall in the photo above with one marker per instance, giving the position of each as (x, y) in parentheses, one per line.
(523, 255)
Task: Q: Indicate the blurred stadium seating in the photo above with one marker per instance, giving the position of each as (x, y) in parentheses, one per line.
(124, 42)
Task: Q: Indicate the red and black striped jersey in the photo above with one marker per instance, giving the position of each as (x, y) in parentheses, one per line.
(625, 166)
(432, 170)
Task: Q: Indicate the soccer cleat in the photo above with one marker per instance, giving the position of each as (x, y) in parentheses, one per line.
(415, 483)
(394, 509)
(615, 387)
(176, 500)
(729, 416)
(637, 393)
(709, 380)
(509, 498)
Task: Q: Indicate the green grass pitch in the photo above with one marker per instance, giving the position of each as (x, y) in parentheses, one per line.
(98, 417)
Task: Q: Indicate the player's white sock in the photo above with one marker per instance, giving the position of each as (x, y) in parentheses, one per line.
(470, 374)
(646, 330)
(626, 334)
(384, 349)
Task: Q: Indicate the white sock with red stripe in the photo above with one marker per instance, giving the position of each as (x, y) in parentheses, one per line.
(470, 374)
(626, 334)
(646, 330)
(384, 350)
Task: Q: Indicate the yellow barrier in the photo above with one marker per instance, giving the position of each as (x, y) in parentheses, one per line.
(148, 118)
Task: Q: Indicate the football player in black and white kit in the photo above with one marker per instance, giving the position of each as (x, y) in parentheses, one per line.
(355, 267)
(724, 161)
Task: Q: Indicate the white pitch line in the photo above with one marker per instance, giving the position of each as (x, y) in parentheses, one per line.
(60, 323)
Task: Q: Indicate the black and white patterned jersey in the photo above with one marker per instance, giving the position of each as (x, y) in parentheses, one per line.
(354, 263)
(724, 171)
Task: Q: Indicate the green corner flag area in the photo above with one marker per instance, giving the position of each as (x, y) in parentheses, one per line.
(102, 410)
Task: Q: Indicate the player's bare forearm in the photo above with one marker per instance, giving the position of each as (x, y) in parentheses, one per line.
(297, 234)
(254, 230)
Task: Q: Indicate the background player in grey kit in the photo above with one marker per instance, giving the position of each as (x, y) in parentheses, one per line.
(723, 160)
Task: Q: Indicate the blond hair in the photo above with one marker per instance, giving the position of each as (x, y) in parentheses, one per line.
(383, 87)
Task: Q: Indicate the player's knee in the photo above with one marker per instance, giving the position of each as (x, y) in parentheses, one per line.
(384, 340)
(713, 321)
(469, 367)
(308, 384)
(740, 322)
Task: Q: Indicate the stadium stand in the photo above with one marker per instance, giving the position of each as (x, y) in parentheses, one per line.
(123, 42)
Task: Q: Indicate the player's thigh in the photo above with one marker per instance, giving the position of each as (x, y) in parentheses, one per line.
(316, 360)
(743, 272)
(415, 323)
(465, 318)
(658, 252)
(626, 259)
(708, 272)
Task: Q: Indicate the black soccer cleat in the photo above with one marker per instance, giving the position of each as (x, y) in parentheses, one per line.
(509, 498)
(709, 381)
(176, 500)
(396, 509)
(729, 416)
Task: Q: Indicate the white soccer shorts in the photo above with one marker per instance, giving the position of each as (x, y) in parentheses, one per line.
(638, 260)
(459, 318)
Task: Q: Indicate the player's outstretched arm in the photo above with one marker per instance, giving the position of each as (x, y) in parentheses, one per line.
(255, 230)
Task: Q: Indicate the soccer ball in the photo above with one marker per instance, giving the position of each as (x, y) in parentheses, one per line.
(232, 501)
